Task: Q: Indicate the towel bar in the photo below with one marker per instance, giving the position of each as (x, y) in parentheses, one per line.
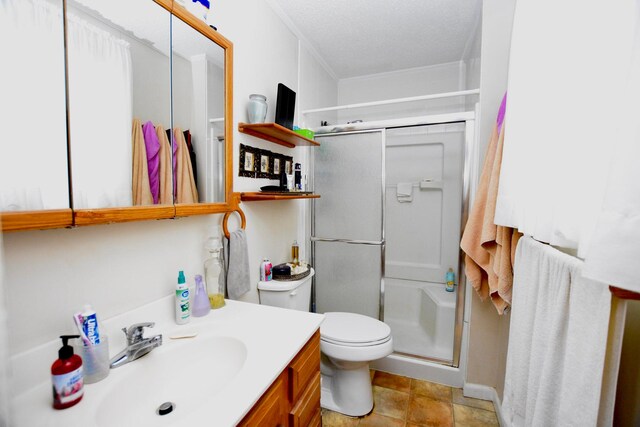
(226, 218)
(624, 294)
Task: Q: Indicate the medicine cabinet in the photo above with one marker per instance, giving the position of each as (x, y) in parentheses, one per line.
(34, 184)
(136, 126)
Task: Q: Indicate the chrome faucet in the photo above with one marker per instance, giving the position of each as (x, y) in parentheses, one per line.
(137, 344)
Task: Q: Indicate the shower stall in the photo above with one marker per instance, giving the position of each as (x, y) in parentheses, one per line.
(387, 229)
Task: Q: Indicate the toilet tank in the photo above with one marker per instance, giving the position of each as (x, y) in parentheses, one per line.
(295, 294)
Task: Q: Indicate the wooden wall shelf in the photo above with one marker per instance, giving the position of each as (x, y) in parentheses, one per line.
(277, 134)
(259, 195)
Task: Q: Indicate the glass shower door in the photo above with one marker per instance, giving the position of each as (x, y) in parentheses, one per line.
(347, 232)
(423, 236)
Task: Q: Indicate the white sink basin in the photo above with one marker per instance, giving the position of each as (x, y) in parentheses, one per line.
(185, 372)
(213, 379)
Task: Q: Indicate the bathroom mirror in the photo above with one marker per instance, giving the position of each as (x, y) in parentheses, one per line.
(198, 115)
(34, 186)
(119, 76)
(94, 143)
(202, 115)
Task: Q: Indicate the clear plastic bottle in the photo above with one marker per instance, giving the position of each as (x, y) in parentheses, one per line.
(212, 271)
(295, 252)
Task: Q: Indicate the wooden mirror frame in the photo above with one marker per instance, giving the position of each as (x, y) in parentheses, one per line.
(61, 218)
(36, 220)
(230, 203)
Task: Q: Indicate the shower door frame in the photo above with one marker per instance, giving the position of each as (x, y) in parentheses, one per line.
(470, 169)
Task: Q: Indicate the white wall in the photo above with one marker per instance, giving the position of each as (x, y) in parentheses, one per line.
(489, 332)
(266, 53)
(5, 395)
(439, 78)
(497, 20)
(51, 274)
(472, 62)
(318, 90)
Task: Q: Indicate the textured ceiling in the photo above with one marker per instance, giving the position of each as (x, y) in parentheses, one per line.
(360, 37)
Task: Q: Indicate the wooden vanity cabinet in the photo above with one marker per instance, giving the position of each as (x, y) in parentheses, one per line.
(272, 408)
(293, 400)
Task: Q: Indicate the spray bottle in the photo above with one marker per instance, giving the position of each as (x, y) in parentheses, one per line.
(183, 310)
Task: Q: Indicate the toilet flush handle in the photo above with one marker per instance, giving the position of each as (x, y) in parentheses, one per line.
(293, 293)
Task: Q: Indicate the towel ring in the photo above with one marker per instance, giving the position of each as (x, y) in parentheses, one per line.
(226, 218)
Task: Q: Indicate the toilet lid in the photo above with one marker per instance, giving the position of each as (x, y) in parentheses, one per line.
(353, 329)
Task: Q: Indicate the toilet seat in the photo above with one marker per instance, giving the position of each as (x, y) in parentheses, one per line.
(353, 330)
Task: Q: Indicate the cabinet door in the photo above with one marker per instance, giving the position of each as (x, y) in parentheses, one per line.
(198, 102)
(308, 407)
(271, 410)
(34, 186)
(119, 74)
(304, 367)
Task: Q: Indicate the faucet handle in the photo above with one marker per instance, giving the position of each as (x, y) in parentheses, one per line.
(136, 331)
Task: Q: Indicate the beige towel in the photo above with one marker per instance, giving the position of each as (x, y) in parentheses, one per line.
(166, 179)
(490, 249)
(140, 182)
(187, 192)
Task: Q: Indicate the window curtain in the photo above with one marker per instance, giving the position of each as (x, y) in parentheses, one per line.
(32, 106)
(100, 108)
(566, 105)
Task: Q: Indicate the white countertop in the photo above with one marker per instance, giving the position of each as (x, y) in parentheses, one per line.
(272, 337)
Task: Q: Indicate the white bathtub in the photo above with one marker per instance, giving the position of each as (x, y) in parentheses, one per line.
(430, 335)
(422, 318)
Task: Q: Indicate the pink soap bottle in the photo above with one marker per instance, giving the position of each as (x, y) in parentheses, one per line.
(201, 305)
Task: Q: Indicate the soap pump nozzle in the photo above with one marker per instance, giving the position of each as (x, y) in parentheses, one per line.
(66, 351)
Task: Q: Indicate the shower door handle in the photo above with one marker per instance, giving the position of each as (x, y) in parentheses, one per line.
(348, 241)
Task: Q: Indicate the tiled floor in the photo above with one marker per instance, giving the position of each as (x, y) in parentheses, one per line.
(405, 402)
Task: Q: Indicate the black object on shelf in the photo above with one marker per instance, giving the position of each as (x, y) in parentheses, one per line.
(298, 176)
(285, 106)
(281, 270)
(273, 188)
(283, 179)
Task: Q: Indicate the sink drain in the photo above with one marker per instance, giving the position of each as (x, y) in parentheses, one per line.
(166, 408)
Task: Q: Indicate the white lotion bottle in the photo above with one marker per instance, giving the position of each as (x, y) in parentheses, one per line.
(183, 309)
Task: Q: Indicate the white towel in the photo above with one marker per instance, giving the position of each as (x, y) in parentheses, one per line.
(236, 263)
(557, 340)
(404, 192)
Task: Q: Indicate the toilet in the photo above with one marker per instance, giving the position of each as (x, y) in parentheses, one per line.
(348, 342)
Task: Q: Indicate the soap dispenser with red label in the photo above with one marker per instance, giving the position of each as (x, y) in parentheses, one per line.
(66, 376)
